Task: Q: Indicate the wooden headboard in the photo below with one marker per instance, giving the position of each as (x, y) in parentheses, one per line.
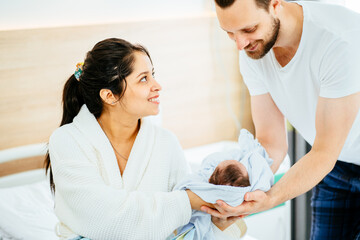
(21, 165)
(195, 63)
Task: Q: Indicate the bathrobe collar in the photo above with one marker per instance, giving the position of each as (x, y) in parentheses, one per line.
(139, 156)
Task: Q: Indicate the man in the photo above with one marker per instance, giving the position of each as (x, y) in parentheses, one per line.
(301, 61)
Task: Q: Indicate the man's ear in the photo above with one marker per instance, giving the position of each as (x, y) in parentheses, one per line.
(275, 6)
(107, 96)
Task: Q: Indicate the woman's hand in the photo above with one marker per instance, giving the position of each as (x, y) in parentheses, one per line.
(196, 202)
(222, 224)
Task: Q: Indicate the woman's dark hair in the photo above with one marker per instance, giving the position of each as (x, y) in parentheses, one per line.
(227, 3)
(105, 67)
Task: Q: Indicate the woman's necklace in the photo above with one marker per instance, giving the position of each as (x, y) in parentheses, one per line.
(111, 142)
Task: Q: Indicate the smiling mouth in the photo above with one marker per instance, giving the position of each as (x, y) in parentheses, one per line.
(154, 100)
(253, 48)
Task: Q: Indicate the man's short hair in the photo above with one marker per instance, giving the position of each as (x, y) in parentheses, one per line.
(227, 3)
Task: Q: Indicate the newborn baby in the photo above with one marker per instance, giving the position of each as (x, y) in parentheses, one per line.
(231, 173)
(227, 176)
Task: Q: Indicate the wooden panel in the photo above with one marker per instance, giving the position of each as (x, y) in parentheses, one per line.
(194, 61)
(21, 165)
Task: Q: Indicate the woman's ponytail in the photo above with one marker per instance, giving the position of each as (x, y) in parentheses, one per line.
(72, 101)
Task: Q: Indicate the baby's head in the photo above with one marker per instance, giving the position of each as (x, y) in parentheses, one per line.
(230, 172)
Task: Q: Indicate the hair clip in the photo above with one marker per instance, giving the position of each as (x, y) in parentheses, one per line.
(79, 70)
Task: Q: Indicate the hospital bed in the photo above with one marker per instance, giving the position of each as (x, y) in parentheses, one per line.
(26, 202)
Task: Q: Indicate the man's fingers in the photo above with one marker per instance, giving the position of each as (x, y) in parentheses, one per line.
(230, 211)
(220, 209)
(224, 206)
(249, 206)
(224, 211)
(254, 196)
(212, 212)
(248, 196)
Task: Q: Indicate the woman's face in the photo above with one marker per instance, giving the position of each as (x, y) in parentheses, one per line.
(141, 97)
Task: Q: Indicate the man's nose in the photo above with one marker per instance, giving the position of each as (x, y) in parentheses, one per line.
(241, 42)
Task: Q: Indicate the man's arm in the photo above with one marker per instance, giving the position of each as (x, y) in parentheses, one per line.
(334, 118)
(270, 128)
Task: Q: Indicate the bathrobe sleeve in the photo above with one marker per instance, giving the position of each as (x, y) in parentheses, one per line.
(96, 210)
(180, 166)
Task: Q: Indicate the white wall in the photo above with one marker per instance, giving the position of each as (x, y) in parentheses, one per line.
(353, 4)
(20, 14)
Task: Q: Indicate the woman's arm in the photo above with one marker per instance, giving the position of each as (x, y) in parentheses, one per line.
(196, 202)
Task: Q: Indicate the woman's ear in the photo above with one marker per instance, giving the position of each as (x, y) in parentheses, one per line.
(107, 96)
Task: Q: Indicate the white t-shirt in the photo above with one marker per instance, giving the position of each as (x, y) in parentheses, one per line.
(326, 64)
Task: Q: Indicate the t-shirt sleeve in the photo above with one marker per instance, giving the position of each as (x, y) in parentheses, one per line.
(340, 69)
(251, 75)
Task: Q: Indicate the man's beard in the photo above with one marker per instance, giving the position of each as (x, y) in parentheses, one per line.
(264, 47)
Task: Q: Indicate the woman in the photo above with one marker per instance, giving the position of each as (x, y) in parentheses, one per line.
(112, 170)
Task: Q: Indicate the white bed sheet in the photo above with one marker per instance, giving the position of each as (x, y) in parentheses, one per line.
(27, 212)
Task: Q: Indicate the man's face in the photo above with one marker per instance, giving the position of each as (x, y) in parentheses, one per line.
(252, 28)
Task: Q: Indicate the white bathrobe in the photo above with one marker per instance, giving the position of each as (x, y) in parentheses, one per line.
(92, 199)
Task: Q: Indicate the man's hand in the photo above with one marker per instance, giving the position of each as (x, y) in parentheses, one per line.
(256, 201)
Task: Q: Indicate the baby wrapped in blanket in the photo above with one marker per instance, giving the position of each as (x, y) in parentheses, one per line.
(238, 171)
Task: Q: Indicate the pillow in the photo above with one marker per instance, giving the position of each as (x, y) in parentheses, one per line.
(27, 212)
